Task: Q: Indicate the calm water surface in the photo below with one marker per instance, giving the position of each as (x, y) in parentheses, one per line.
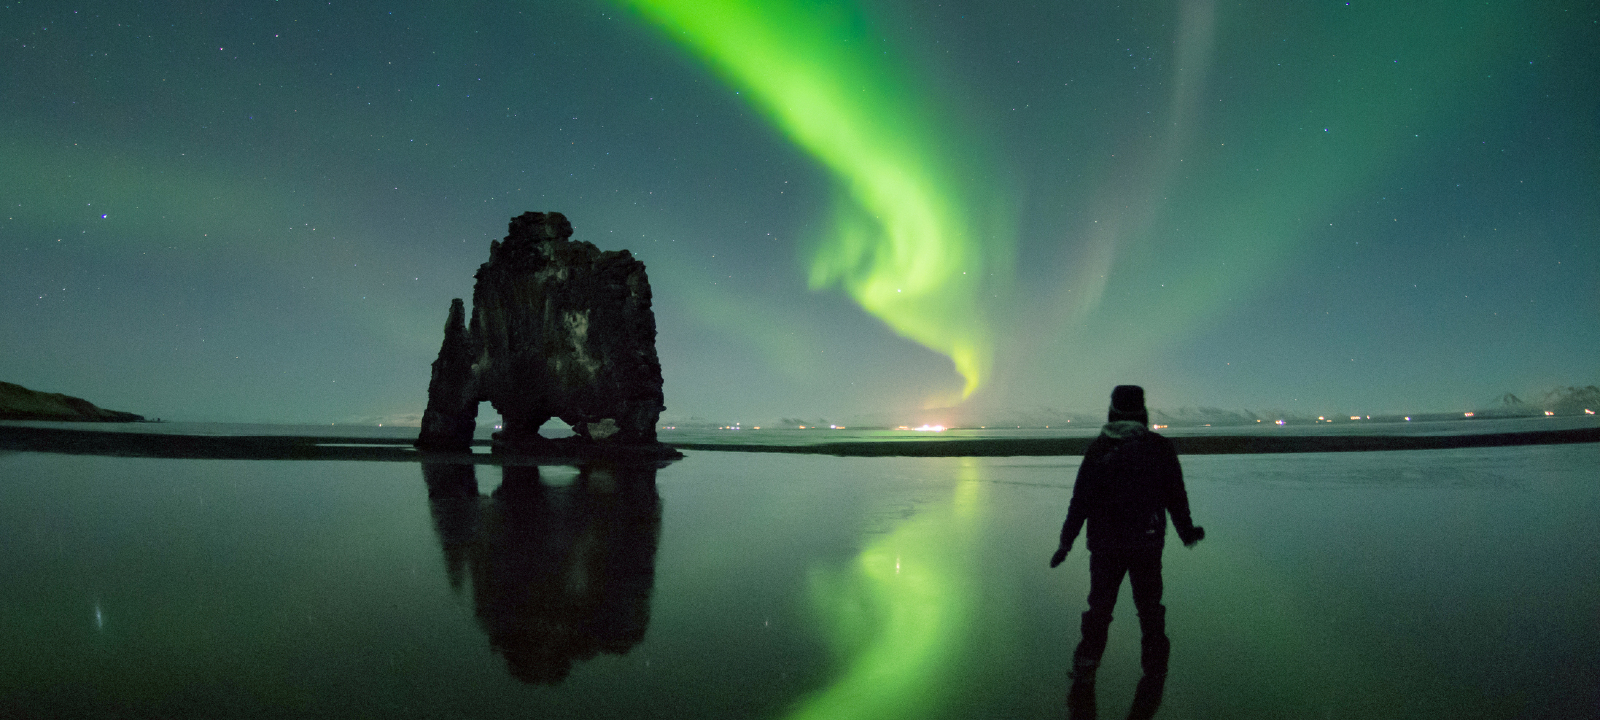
(1434, 584)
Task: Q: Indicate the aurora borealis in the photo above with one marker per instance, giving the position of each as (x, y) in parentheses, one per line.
(903, 243)
(260, 212)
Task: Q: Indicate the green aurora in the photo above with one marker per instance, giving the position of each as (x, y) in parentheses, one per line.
(1188, 215)
(905, 241)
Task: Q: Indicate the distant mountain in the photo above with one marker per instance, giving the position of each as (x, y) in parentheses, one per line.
(20, 403)
(1572, 400)
(1190, 416)
(1560, 401)
(1509, 401)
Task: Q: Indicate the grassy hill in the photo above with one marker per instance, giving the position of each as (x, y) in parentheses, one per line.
(20, 403)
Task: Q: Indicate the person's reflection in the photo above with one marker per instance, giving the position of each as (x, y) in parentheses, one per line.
(1146, 698)
(559, 574)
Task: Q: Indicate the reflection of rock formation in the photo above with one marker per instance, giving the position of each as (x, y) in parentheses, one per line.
(559, 329)
(559, 574)
(453, 493)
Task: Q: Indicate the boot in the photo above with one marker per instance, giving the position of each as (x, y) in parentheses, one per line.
(1153, 654)
(1083, 669)
(1154, 647)
(1081, 701)
(1086, 659)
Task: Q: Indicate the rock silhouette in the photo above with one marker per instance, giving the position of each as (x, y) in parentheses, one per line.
(559, 329)
(452, 410)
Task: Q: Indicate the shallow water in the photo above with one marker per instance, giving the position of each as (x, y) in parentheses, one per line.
(1455, 583)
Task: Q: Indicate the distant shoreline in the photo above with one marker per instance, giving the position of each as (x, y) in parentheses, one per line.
(278, 447)
(1193, 445)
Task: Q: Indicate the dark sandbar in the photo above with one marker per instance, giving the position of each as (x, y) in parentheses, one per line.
(279, 447)
(296, 447)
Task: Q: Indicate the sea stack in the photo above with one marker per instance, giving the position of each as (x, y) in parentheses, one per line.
(559, 329)
(452, 412)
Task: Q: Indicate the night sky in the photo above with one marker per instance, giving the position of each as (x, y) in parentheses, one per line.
(260, 211)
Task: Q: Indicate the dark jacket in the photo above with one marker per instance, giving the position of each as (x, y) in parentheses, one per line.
(1129, 481)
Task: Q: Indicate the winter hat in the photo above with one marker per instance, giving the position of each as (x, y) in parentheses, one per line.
(1127, 403)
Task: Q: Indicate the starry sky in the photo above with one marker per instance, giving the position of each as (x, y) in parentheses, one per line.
(259, 211)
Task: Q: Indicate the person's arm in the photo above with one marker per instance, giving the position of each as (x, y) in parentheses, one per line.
(1177, 500)
(1077, 512)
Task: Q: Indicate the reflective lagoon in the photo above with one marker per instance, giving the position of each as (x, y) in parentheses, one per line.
(1406, 584)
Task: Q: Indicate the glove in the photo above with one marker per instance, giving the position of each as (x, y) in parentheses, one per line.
(1061, 554)
(1194, 536)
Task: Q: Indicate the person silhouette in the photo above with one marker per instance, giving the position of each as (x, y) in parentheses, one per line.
(1128, 483)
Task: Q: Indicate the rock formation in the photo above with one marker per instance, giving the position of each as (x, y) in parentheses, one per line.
(452, 411)
(559, 329)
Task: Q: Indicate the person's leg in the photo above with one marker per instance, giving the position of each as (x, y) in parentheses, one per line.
(1081, 700)
(1105, 578)
(1144, 575)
